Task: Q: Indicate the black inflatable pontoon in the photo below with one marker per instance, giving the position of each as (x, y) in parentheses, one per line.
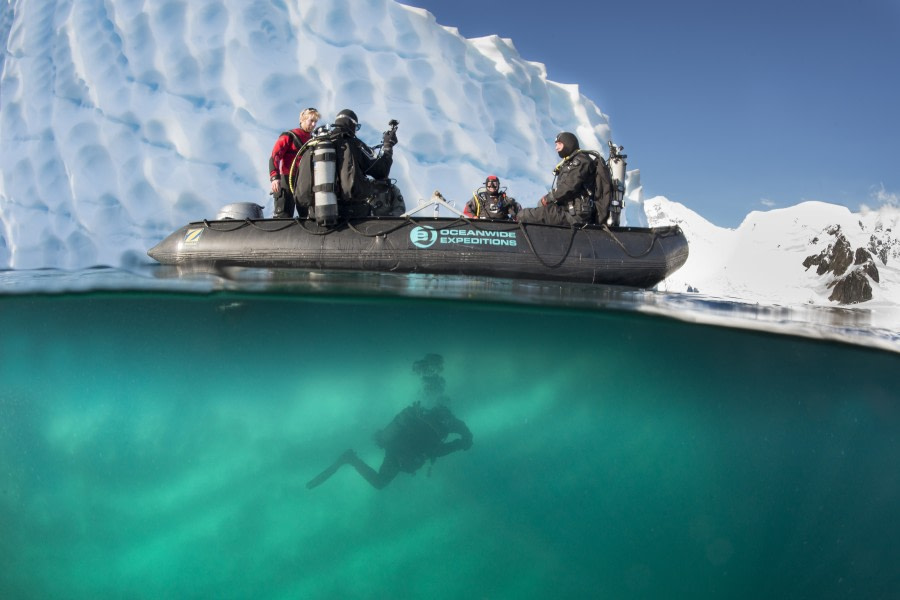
(630, 256)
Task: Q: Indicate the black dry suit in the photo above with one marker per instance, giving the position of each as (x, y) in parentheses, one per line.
(573, 186)
(356, 163)
(583, 187)
(581, 184)
(499, 206)
(417, 434)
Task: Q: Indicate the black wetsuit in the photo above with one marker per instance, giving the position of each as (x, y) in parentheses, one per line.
(415, 436)
(570, 202)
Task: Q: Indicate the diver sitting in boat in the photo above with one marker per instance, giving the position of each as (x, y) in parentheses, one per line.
(491, 202)
(336, 179)
(416, 435)
(581, 188)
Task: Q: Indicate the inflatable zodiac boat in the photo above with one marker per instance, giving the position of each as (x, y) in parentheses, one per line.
(629, 256)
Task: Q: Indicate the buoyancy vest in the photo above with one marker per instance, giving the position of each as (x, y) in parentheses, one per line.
(597, 190)
(495, 207)
(414, 434)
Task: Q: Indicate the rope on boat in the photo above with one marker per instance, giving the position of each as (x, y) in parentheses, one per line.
(625, 250)
(653, 239)
(317, 231)
(377, 233)
(538, 256)
(256, 226)
(474, 224)
(411, 221)
(239, 225)
(244, 223)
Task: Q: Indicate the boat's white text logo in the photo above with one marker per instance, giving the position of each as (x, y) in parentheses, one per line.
(424, 236)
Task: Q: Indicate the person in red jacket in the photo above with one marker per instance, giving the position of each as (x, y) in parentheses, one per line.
(286, 147)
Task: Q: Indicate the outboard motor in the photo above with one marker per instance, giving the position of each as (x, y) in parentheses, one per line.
(617, 170)
(240, 210)
(324, 167)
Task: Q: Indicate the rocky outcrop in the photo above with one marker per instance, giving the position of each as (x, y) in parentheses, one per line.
(883, 245)
(835, 259)
(852, 271)
(863, 259)
(853, 288)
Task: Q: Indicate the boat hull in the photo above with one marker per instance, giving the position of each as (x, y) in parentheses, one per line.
(631, 256)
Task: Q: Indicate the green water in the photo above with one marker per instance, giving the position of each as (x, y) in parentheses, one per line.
(157, 445)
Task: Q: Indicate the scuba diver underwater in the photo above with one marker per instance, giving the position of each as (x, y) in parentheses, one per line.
(416, 435)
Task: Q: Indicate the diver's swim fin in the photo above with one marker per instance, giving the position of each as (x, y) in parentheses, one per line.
(324, 475)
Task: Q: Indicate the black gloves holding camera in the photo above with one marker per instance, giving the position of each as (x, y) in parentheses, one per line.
(389, 141)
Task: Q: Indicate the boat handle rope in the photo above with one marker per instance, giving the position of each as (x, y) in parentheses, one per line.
(410, 221)
(286, 225)
(245, 223)
(378, 233)
(319, 231)
(239, 224)
(653, 239)
(538, 256)
(625, 250)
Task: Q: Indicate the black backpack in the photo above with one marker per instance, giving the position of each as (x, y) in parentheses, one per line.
(602, 186)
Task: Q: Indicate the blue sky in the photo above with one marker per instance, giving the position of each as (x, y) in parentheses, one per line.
(726, 107)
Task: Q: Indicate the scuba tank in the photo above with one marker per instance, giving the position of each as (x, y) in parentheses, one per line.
(324, 166)
(617, 170)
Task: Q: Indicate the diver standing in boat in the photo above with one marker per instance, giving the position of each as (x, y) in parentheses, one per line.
(338, 181)
(571, 200)
(415, 436)
(286, 147)
(490, 202)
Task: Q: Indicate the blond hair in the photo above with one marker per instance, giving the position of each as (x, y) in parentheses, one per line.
(310, 111)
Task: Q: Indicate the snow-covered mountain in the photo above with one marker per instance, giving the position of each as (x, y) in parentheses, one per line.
(121, 120)
(811, 253)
